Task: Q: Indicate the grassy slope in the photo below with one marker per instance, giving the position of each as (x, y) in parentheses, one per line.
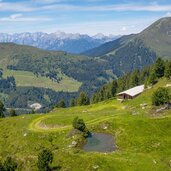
(25, 79)
(143, 141)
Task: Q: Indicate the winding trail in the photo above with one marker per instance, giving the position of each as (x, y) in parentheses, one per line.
(36, 125)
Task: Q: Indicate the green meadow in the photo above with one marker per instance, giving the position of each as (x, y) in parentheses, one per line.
(142, 136)
(28, 79)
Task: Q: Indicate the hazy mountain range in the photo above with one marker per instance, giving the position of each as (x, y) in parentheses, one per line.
(72, 43)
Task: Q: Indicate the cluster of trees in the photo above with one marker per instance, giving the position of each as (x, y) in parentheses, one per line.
(82, 100)
(8, 84)
(11, 113)
(147, 76)
(45, 158)
(8, 165)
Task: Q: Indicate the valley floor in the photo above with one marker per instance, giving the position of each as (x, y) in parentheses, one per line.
(142, 136)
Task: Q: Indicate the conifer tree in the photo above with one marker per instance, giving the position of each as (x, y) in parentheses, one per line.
(83, 99)
(2, 110)
(168, 70)
(159, 68)
(61, 104)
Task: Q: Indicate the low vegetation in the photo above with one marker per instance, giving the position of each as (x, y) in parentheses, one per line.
(45, 158)
(161, 96)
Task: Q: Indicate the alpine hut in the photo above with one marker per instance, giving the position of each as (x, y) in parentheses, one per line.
(131, 93)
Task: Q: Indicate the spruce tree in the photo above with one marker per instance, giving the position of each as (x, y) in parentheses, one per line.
(152, 78)
(168, 70)
(159, 68)
(2, 110)
(83, 99)
(72, 103)
(61, 104)
(45, 158)
(113, 88)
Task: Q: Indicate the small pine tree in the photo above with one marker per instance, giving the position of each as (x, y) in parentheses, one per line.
(159, 68)
(79, 124)
(161, 96)
(83, 99)
(2, 110)
(61, 104)
(134, 80)
(10, 164)
(113, 88)
(168, 70)
(152, 78)
(12, 113)
(45, 158)
(72, 103)
(1, 167)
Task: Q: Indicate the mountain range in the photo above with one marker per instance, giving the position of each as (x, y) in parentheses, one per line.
(72, 43)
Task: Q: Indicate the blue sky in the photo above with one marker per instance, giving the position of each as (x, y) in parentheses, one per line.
(116, 17)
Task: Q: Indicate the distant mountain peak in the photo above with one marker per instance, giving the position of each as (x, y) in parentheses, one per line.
(99, 36)
(70, 42)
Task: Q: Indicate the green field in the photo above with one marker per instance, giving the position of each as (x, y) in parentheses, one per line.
(142, 136)
(28, 79)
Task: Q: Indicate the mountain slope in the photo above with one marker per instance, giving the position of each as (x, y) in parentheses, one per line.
(73, 43)
(158, 37)
(137, 51)
(108, 47)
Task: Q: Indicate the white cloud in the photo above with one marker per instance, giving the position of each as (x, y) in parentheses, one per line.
(17, 7)
(168, 14)
(20, 18)
(14, 16)
(27, 6)
(106, 27)
(124, 28)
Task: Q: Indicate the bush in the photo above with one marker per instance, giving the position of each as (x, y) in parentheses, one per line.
(10, 164)
(45, 158)
(161, 96)
(12, 113)
(1, 167)
(80, 125)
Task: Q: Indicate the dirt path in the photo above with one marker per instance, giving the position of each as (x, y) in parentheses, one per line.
(36, 125)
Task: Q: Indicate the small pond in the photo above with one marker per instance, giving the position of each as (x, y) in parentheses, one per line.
(100, 142)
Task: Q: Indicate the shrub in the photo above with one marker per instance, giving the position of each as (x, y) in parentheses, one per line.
(10, 164)
(12, 113)
(45, 158)
(161, 96)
